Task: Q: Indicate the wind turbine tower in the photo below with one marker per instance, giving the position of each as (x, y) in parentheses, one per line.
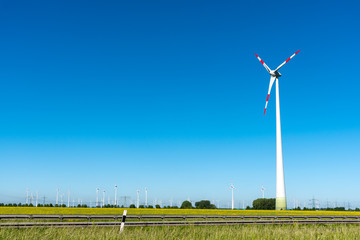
(69, 198)
(103, 200)
(146, 203)
(115, 196)
(57, 196)
(37, 197)
(232, 195)
(97, 197)
(138, 198)
(27, 196)
(280, 181)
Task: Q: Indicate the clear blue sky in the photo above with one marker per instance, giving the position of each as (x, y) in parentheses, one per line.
(169, 95)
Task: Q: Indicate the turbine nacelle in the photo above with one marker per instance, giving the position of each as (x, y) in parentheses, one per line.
(275, 74)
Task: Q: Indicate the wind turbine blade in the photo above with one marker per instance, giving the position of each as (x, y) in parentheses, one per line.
(263, 63)
(272, 79)
(286, 61)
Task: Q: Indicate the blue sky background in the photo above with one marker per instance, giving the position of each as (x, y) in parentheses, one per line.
(169, 95)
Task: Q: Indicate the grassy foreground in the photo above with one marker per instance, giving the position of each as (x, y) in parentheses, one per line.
(191, 232)
(141, 211)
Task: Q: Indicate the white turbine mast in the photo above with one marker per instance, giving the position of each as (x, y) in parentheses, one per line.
(57, 196)
(232, 195)
(138, 198)
(146, 202)
(69, 197)
(27, 196)
(37, 197)
(115, 202)
(97, 197)
(263, 191)
(280, 181)
(103, 200)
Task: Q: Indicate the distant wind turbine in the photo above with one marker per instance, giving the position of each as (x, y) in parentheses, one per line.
(138, 198)
(263, 191)
(69, 198)
(57, 196)
(146, 201)
(97, 197)
(115, 203)
(232, 195)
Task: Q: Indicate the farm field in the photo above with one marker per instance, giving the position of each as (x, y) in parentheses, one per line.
(134, 211)
(191, 232)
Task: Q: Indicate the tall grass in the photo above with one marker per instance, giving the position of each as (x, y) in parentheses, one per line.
(191, 232)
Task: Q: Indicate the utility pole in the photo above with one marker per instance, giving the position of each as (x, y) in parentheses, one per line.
(125, 197)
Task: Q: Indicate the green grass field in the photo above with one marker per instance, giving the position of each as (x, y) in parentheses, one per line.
(134, 211)
(338, 232)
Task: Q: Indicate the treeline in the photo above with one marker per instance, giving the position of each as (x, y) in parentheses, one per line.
(269, 204)
(326, 209)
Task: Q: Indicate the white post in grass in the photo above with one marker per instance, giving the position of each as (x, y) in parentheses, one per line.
(123, 221)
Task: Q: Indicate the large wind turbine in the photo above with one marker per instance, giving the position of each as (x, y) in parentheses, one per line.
(280, 182)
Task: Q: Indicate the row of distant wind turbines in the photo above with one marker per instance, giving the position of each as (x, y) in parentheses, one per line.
(101, 202)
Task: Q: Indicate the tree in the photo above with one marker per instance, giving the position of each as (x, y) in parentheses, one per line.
(186, 205)
(157, 206)
(150, 206)
(132, 206)
(264, 204)
(204, 204)
(141, 206)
